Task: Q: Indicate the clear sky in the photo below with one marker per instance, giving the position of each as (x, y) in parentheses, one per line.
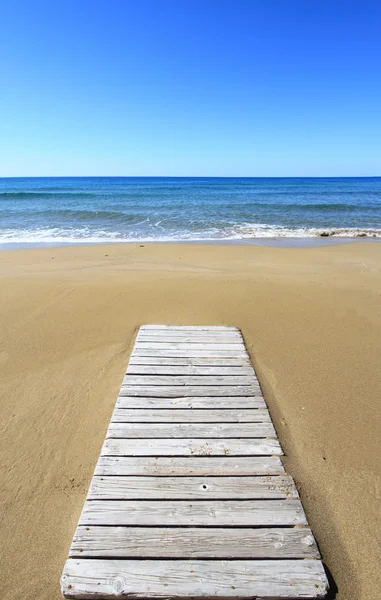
(190, 87)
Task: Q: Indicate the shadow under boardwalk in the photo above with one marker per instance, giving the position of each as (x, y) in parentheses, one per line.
(189, 497)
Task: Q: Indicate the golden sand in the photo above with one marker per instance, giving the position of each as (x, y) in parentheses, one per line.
(311, 319)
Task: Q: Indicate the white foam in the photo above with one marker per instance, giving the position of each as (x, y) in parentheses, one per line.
(234, 232)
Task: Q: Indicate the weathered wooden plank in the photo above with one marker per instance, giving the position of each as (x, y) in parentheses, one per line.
(178, 391)
(191, 331)
(191, 447)
(168, 334)
(190, 339)
(192, 488)
(169, 328)
(189, 370)
(190, 465)
(188, 331)
(190, 380)
(203, 513)
(185, 345)
(188, 352)
(193, 542)
(234, 402)
(158, 579)
(192, 362)
(190, 430)
(135, 415)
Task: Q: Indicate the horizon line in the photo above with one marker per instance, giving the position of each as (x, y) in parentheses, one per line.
(190, 176)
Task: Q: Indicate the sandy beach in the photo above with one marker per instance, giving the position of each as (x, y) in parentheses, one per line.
(311, 319)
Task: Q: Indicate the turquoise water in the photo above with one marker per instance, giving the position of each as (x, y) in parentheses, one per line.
(121, 209)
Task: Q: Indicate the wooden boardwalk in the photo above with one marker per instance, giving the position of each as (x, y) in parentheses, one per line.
(189, 497)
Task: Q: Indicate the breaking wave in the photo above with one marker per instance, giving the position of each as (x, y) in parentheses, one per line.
(247, 232)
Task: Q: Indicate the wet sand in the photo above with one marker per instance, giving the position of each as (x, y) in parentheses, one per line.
(311, 319)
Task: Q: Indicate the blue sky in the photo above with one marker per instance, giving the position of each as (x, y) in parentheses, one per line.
(189, 87)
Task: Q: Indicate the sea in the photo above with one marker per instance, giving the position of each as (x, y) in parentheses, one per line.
(52, 211)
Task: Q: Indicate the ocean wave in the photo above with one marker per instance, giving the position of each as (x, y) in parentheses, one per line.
(73, 215)
(277, 207)
(248, 231)
(44, 195)
(236, 232)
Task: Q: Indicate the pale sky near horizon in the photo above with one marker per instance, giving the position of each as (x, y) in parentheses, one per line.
(190, 87)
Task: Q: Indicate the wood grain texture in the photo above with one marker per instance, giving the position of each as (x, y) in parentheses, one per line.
(178, 391)
(183, 370)
(187, 352)
(205, 346)
(180, 415)
(192, 465)
(190, 338)
(190, 430)
(189, 380)
(192, 542)
(190, 402)
(203, 362)
(227, 513)
(91, 578)
(191, 447)
(169, 328)
(192, 488)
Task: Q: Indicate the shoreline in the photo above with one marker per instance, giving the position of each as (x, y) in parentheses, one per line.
(311, 321)
(272, 242)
